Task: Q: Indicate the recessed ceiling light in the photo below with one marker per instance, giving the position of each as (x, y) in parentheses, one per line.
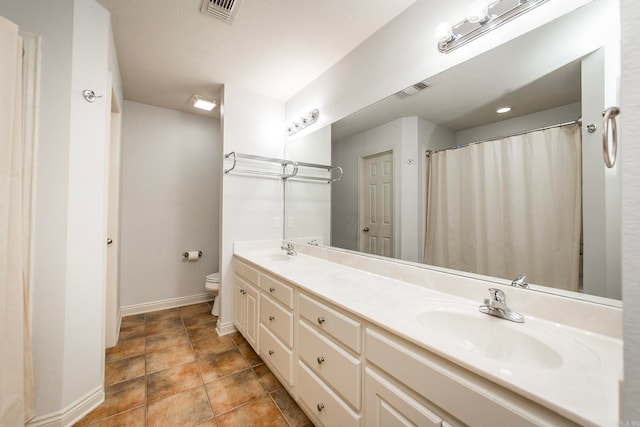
(503, 110)
(203, 103)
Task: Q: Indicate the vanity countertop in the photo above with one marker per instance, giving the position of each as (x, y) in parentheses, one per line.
(582, 385)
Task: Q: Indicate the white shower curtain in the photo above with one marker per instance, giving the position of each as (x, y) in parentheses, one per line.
(508, 207)
(16, 170)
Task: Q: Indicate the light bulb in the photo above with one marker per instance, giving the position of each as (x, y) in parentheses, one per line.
(503, 110)
(478, 12)
(444, 32)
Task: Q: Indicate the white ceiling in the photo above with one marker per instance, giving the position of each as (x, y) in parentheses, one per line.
(168, 50)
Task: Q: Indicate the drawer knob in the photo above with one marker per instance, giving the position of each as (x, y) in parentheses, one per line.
(272, 318)
(320, 407)
(272, 289)
(271, 352)
(320, 360)
(320, 320)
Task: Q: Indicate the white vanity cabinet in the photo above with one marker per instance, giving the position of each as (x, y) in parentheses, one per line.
(276, 327)
(445, 386)
(343, 369)
(329, 365)
(246, 302)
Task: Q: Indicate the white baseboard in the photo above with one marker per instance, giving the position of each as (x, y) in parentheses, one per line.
(164, 304)
(72, 413)
(225, 328)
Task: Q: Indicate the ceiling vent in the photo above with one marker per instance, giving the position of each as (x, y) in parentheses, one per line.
(225, 10)
(412, 90)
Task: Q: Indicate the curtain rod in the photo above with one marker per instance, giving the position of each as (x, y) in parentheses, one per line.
(573, 122)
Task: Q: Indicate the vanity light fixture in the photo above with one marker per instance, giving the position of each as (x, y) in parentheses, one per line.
(203, 103)
(503, 110)
(484, 16)
(305, 121)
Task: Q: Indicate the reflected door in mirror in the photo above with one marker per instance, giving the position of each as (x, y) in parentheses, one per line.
(376, 197)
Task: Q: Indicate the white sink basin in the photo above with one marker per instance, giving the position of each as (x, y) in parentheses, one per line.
(509, 343)
(275, 257)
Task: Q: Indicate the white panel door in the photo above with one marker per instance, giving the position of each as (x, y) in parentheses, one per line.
(376, 202)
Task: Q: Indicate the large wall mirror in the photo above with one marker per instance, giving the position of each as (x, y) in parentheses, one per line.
(562, 73)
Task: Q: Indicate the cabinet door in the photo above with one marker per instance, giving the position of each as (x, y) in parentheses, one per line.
(252, 296)
(388, 406)
(239, 306)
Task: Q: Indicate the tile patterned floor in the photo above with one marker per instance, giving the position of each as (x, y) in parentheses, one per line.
(170, 368)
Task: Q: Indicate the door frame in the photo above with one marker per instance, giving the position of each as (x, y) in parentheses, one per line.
(361, 208)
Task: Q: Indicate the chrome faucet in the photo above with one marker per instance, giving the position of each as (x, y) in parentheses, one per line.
(289, 248)
(520, 282)
(497, 306)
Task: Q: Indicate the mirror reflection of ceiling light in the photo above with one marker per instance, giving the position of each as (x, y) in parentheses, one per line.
(503, 110)
(484, 16)
(203, 103)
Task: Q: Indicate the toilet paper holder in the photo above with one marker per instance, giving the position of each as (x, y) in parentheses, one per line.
(185, 255)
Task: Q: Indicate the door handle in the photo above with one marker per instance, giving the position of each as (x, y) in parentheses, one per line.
(366, 229)
(109, 240)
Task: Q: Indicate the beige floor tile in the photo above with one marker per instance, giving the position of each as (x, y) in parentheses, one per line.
(249, 354)
(186, 409)
(266, 378)
(232, 391)
(200, 319)
(163, 340)
(124, 370)
(237, 338)
(155, 316)
(201, 332)
(133, 418)
(131, 332)
(220, 365)
(211, 423)
(258, 413)
(118, 398)
(135, 320)
(172, 381)
(126, 349)
(195, 309)
(169, 357)
(164, 326)
(211, 346)
(290, 409)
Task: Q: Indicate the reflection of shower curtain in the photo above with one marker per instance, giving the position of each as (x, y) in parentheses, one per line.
(508, 207)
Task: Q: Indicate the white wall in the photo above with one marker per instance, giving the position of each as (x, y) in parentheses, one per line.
(251, 205)
(169, 203)
(308, 203)
(630, 158)
(407, 137)
(68, 279)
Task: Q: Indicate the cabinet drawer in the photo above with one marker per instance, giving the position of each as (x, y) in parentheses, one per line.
(339, 326)
(278, 290)
(276, 354)
(278, 319)
(333, 364)
(470, 398)
(387, 405)
(248, 273)
(324, 404)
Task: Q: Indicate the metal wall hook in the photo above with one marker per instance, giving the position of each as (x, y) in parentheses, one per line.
(90, 96)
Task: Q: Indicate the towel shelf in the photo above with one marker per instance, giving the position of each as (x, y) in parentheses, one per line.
(289, 168)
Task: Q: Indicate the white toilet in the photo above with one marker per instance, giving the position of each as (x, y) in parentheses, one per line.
(212, 285)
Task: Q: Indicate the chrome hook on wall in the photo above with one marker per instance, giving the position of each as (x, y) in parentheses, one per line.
(90, 96)
(610, 116)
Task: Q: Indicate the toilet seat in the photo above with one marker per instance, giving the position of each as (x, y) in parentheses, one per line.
(213, 282)
(212, 285)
